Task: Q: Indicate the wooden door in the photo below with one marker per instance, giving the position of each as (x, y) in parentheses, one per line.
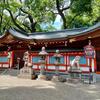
(18, 54)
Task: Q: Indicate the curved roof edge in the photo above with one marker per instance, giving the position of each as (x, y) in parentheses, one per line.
(54, 34)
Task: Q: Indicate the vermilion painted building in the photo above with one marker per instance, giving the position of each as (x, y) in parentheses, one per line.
(70, 42)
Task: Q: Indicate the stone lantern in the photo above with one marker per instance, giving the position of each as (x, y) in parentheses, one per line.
(57, 62)
(42, 62)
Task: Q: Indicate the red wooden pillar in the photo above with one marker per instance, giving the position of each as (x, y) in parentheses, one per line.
(12, 60)
(68, 61)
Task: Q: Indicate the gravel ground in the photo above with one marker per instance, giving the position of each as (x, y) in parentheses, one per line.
(13, 88)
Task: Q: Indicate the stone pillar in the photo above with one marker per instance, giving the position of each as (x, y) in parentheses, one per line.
(9, 59)
(18, 63)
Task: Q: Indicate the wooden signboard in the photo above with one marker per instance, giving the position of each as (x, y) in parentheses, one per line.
(89, 51)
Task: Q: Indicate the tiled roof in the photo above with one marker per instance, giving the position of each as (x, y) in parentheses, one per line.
(54, 34)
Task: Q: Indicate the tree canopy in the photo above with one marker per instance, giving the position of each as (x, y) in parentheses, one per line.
(39, 15)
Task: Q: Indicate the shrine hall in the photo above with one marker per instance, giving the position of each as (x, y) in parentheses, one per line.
(70, 43)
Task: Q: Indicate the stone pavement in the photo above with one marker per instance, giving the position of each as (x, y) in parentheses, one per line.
(13, 88)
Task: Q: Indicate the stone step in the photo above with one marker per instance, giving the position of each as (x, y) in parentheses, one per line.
(12, 72)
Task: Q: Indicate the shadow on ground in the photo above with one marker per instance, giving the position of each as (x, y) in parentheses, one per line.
(56, 91)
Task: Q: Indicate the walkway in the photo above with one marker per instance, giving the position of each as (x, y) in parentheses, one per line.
(13, 88)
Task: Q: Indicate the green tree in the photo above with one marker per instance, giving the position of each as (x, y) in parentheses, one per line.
(30, 15)
(83, 14)
(26, 15)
